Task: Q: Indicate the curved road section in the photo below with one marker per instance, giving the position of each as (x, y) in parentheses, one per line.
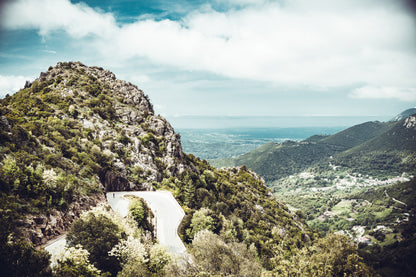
(166, 209)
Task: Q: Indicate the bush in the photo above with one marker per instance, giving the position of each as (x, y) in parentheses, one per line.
(21, 258)
(98, 235)
(74, 263)
(202, 219)
(141, 213)
(216, 257)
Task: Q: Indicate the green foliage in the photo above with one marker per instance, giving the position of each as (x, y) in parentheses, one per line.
(17, 256)
(98, 235)
(122, 138)
(203, 219)
(234, 204)
(101, 105)
(147, 138)
(75, 263)
(141, 213)
(21, 258)
(159, 258)
(93, 89)
(214, 256)
(395, 259)
(334, 255)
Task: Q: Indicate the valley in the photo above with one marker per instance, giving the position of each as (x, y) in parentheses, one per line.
(358, 182)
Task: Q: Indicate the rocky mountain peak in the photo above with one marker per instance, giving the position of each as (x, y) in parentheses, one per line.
(116, 119)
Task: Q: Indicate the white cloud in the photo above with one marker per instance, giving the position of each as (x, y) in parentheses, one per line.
(369, 92)
(319, 43)
(78, 20)
(11, 84)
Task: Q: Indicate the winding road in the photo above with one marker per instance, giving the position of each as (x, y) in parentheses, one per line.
(164, 206)
(166, 209)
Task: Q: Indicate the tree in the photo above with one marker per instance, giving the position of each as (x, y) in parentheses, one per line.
(21, 258)
(159, 258)
(75, 262)
(141, 213)
(98, 235)
(203, 219)
(334, 255)
(213, 255)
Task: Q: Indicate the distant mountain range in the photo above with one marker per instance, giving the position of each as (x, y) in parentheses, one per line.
(377, 147)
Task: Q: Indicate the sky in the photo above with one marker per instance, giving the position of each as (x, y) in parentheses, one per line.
(229, 58)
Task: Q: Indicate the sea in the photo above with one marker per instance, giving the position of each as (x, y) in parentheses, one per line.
(213, 138)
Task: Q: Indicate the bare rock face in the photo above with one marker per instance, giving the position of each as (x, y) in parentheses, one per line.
(410, 122)
(113, 182)
(41, 228)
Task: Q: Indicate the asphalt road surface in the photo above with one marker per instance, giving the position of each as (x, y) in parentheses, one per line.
(55, 246)
(166, 209)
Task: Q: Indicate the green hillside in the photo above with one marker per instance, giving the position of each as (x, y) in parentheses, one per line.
(393, 151)
(356, 135)
(77, 132)
(355, 182)
(277, 160)
(371, 147)
(286, 158)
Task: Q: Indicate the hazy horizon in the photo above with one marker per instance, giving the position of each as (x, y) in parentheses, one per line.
(252, 122)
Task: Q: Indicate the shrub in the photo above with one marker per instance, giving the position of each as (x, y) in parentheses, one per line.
(141, 213)
(21, 258)
(216, 257)
(203, 219)
(98, 235)
(74, 263)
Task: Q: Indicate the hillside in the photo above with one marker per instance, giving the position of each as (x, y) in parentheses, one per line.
(74, 132)
(367, 147)
(359, 182)
(77, 132)
(356, 135)
(392, 151)
(277, 160)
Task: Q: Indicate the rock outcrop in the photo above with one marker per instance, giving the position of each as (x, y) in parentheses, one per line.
(41, 228)
(119, 115)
